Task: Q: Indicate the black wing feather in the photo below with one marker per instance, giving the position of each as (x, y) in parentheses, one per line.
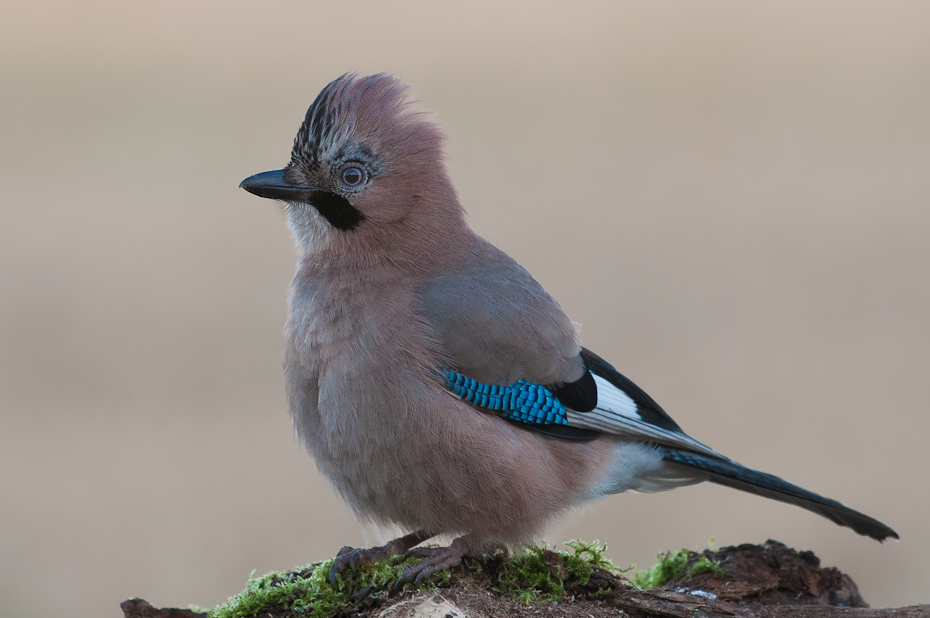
(580, 395)
(646, 407)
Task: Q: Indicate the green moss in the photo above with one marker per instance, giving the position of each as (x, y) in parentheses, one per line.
(532, 574)
(308, 591)
(527, 575)
(538, 574)
(706, 565)
(671, 565)
(584, 558)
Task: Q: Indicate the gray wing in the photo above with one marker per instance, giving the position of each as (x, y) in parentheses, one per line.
(496, 324)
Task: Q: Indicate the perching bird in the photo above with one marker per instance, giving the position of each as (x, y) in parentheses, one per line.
(437, 385)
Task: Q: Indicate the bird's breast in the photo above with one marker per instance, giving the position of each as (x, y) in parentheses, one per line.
(358, 366)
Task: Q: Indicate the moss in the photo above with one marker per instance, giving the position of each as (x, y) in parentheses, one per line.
(533, 574)
(706, 565)
(584, 558)
(538, 574)
(671, 565)
(308, 591)
(527, 575)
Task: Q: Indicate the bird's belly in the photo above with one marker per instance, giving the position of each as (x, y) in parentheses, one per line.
(425, 460)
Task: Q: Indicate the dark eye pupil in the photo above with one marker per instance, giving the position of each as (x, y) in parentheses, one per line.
(352, 176)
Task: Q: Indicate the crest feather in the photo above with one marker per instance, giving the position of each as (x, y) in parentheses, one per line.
(377, 111)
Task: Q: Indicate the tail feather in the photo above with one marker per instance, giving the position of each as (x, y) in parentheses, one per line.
(731, 474)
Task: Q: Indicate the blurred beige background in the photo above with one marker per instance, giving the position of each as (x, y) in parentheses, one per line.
(733, 198)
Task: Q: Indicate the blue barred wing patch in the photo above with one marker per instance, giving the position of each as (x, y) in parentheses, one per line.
(523, 401)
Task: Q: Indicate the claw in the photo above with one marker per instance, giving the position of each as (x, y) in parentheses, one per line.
(434, 559)
(352, 558)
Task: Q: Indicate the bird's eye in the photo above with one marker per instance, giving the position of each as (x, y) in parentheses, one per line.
(352, 176)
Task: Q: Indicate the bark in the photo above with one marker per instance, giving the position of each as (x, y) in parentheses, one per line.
(762, 581)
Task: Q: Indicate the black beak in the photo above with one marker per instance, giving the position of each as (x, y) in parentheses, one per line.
(335, 208)
(273, 186)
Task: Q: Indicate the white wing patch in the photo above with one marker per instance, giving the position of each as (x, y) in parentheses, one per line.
(617, 413)
(612, 399)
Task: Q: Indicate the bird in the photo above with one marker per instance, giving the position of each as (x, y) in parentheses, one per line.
(438, 387)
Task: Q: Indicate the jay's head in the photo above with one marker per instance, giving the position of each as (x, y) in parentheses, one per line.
(366, 161)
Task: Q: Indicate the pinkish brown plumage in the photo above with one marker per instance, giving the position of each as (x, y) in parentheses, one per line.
(394, 296)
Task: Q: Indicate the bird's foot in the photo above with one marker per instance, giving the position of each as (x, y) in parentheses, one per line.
(352, 558)
(434, 559)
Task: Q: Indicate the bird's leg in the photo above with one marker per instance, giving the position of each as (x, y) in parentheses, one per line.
(350, 557)
(434, 559)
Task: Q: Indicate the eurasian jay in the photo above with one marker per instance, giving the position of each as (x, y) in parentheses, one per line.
(437, 385)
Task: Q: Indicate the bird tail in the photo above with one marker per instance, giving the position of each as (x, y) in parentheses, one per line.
(731, 474)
